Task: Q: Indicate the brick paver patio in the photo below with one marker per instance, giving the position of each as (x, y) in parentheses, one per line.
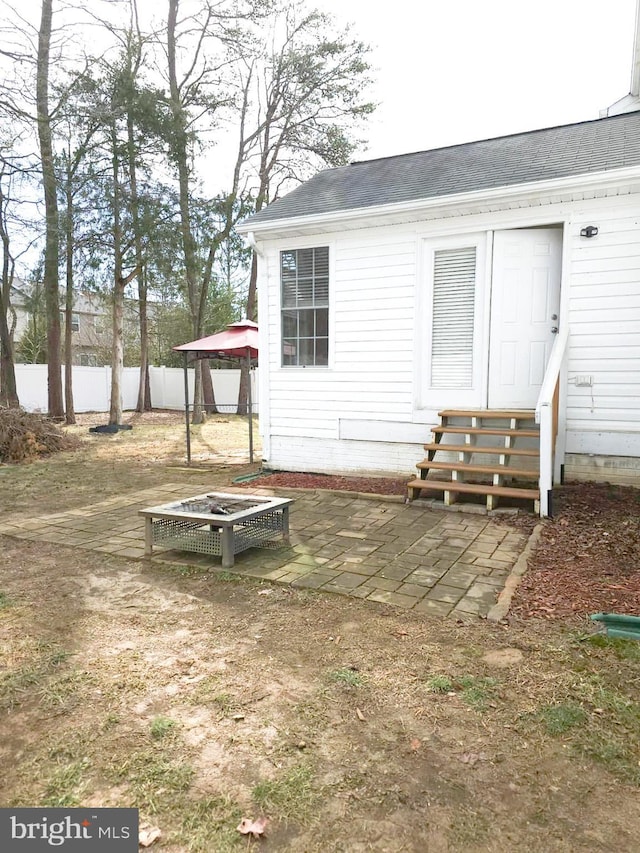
(408, 555)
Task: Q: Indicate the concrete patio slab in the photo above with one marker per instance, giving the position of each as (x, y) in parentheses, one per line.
(405, 555)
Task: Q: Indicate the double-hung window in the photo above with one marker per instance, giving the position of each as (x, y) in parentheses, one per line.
(304, 278)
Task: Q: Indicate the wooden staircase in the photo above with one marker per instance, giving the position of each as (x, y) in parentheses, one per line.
(490, 453)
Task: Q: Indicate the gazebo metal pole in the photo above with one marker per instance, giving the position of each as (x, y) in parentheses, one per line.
(186, 408)
(250, 405)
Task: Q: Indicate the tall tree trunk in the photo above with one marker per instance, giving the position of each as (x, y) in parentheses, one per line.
(144, 392)
(252, 301)
(144, 396)
(208, 393)
(54, 370)
(8, 387)
(70, 417)
(147, 392)
(117, 353)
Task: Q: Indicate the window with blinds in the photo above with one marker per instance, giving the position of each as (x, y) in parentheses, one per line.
(304, 276)
(454, 284)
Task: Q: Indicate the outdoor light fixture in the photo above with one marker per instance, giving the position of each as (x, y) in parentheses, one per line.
(589, 231)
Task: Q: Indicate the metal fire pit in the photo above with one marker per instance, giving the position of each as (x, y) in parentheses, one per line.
(217, 523)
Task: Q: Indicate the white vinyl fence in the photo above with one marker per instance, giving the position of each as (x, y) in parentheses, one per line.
(92, 388)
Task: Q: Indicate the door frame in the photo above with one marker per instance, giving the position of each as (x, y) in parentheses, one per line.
(428, 401)
(559, 227)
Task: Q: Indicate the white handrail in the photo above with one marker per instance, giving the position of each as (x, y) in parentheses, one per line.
(545, 418)
(545, 397)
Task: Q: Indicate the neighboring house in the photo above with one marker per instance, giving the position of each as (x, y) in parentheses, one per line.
(90, 323)
(90, 330)
(490, 290)
(17, 316)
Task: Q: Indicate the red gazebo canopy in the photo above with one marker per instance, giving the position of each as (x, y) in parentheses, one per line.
(237, 341)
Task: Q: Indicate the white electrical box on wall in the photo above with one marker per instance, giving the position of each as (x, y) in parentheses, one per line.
(584, 380)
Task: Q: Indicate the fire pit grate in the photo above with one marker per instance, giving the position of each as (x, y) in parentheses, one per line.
(217, 505)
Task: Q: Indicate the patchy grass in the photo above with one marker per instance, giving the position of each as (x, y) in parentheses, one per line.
(224, 702)
(210, 824)
(154, 778)
(476, 691)
(347, 676)
(66, 689)
(440, 684)
(623, 649)
(559, 719)
(290, 796)
(161, 727)
(595, 708)
(229, 577)
(205, 691)
(5, 601)
(65, 786)
(31, 680)
(469, 828)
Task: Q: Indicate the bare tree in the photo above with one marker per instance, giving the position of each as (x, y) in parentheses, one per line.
(199, 90)
(8, 387)
(308, 85)
(71, 183)
(51, 257)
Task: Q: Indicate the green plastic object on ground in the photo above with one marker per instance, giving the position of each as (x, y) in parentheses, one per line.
(619, 624)
(245, 478)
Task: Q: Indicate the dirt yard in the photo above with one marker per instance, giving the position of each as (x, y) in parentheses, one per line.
(202, 699)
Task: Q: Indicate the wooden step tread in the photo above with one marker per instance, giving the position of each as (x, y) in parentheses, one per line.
(472, 448)
(473, 489)
(463, 430)
(520, 415)
(503, 470)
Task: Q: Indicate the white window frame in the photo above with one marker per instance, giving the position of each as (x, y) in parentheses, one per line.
(427, 398)
(293, 247)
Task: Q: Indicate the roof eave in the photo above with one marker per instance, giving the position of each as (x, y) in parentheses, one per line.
(594, 180)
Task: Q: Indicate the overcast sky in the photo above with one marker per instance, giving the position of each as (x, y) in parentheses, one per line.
(453, 71)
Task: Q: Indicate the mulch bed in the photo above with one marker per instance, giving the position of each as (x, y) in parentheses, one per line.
(369, 485)
(588, 558)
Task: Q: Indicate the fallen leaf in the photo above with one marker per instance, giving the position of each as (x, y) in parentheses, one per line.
(264, 592)
(146, 837)
(415, 744)
(360, 715)
(253, 827)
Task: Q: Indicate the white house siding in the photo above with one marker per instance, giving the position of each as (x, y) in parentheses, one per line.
(332, 419)
(603, 419)
(370, 372)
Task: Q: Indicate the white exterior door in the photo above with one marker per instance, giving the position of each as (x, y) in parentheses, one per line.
(525, 307)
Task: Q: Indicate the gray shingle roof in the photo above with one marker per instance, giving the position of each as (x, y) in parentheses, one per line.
(556, 152)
